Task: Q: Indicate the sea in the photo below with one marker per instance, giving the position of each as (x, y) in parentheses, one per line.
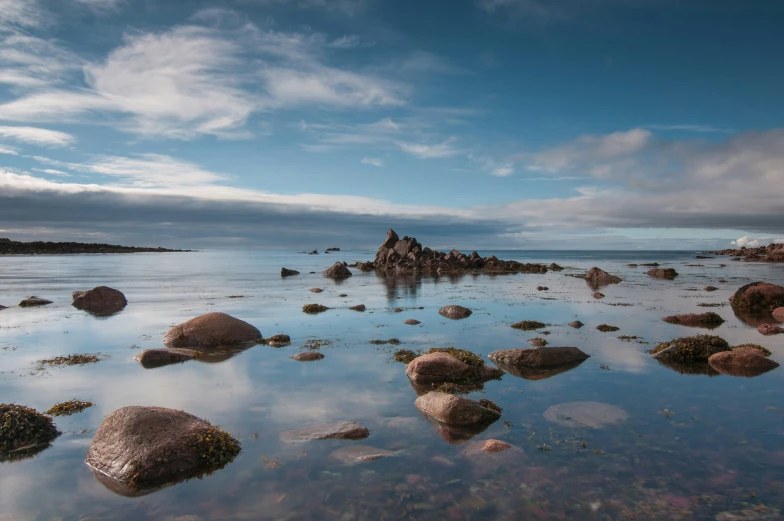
(689, 445)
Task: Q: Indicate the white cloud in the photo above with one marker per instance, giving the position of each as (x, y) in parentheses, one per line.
(101, 6)
(434, 151)
(37, 136)
(746, 242)
(349, 7)
(51, 171)
(31, 62)
(150, 170)
(25, 13)
(690, 128)
(373, 161)
(8, 151)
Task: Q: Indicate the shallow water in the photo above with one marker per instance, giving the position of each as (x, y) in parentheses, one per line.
(692, 446)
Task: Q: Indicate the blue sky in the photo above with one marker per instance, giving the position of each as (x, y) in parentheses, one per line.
(476, 123)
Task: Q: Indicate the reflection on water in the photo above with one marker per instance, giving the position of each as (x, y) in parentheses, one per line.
(692, 446)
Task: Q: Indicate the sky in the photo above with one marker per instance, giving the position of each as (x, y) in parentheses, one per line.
(518, 124)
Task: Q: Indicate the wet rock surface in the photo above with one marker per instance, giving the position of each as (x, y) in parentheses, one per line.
(598, 295)
(144, 448)
(322, 431)
(576, 324)
(758, 297)
(357, 454)
(212, 330)
(31, 302)
(100, 301)
(743, 361)
(594, 415)
(457, 411)
(151, 358)
(666, 273)
(444, 367)
(708, 320)
(412, 322)
(690, 349)
(455, 312)
(778, 314)
(597, 277)
(769, 329)
(278, 340)
(23, 432)
(538, 357)
(339, 270)
(308, 356)
(284, 272)
(358, 307)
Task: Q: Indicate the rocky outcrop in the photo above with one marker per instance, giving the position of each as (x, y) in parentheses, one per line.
(538, 363)
(597, 277)
(690, 349)
(148, 447)
(455, 312)
(457, 411)
(708, 320)
(443, 367)
(770, 253)
(31, 302)
(407, 255)
(323, 431)
(151, 358)
(663, 273)
(100, 301)
(9, 247)
(212, 330)
(23, 432)
(744, 361)
(339, 270)
(758, 297)
(284, 272)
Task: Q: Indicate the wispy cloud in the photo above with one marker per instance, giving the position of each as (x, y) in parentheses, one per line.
(373, 161)
(37, 136)
(430, 151)
(8, 151)
(690, 128)
(51, 171)
(349, 7)
(25, 13)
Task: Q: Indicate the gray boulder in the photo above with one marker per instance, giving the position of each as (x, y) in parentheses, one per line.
(339, 270)
(457, 411)
(211, 330)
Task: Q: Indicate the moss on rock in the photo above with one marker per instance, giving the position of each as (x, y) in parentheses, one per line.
(23, 428)
(216, 448)
(313, 309)
(528, 325)
(467, 357)
(691, 349)
(68, 408)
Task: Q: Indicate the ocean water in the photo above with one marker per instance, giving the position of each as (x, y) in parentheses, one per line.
(694, 446)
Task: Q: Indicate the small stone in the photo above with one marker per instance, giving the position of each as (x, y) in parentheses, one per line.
(495, 446)
(308, 356)
(412, 322)
(455, 312)
(358, 307)
(284, 272)
(278, 340)
(576, 324)
(542, 288)
(315, 290)
(769, 329)
(598, 295)
(710, 288)
(323, 431)
(30, 302)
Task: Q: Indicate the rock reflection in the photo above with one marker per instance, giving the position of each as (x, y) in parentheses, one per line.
(23, 453)
(689, 368)
(537, 373)
(754, 319)
(122, 489)
(459, 388)
(455, 435)
(400, 286)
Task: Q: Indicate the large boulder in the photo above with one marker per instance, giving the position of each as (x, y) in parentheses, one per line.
(598, 277)
(663, 273)
(457, 411)
(538, 357)
(745, 361)
(455, 312)
(339, 270)
(23, 431)
(152, 358)
(708, 320)
(101, 301)
(148, 447)
(31, 302)
(443, 367)
(690, 349)
(323, 431)
(758, 297)
(211, 330)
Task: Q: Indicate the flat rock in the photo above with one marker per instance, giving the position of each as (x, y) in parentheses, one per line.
(412, 322)
(594, 415)
(339, 270)
(455, 312)
(147, 447)
(708, 320)
(100, 301)
(769, 329)
(323, 431)
(443, 367)
(308, 356)
(284, 272)
(31, 302)
(455, 410)
(746, 361)
(663, 273)
(356, 454)
(150, 358)
(211, 330)
(358, 307)
(538, 357)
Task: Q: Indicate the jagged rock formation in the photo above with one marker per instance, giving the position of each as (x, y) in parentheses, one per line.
(770, 253)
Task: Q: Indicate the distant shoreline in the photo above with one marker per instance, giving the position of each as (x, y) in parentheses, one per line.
(9, 247)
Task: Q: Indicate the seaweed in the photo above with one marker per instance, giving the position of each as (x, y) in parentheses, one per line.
(406, 356)
(605, 328)
(693, 349)
(393, 341)
(528, 325)
(216, 448)
(313, 309)
(71, 360)
(23, 428)
(764, 350)
(489, 405)
(68, 408)
(467, 357)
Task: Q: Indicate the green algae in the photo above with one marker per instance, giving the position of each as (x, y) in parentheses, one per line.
(605, 328)
(68, 408)
(23, 428)
(528, 325)
(765, 351)
(467, 357)
(71, 360)
(313, 309)
(406, 356)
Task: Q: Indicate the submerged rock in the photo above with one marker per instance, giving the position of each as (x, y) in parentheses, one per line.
(528, 325)
(758, 297)
(151, 358)
(708, 320)
(598, 277)
(665, 273)
(598, 295)
(278, 340)
(358, 307)
(456, 411)
(769, 329)
(339, 270)
(594, 415)
(744, 361)
(537, 341)
(101, 301)
(576, 324)
(308, 356)
(30, 302)
(690, 349)
(211, 330)
(444, 367)
(538, 357)
(287, 272)
(148, 447)
(23, 432)
(323, 431)
(455, 312)
(710, 288)
(412, 322)
(356, 454)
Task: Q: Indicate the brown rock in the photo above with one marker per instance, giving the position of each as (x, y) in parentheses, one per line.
(308, 356)
(146, 447)
(594, 415)
(101, 301)
(537, 357)
(742, 362)
(710, 288)
(30, 302)
(358, 307)
(708, 320)
(690, 349)
(337, 271)
(758, 297)
(778, 314)
(443, 367)
(542, 288)
(356, 454)
(598, 295)
(769, 329)
(663, 273)
(495, 446)
(454, 410)
(278, 340)
(211, 330)
(412, 322)
(455, 312)
(288, 273)
(323, 431)
(151, 358)
(599, 277)
(576, 324)
(315, 290)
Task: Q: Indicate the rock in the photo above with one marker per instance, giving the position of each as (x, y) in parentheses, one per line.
(147, 447)
(769, 329)
(288, 273)
(665, 273)
(101, 301)
(491, 456)
(455, 312)
(542, 288)
(751, 514)
(778, 314)
(314, 252)
(443, 367)
(323, 431)
(758, 297)
(314, 309)
(356, 454)
(598, 277)
(537, 342)
(398, 310)
(358, 307)
(308, 356)
(412, 322)
(151, 358)
(690, 349)
(315, 290)
(594, 415)
(537, 357)
(598, 295)
(30, 302)
(333, 249)
(211, 330)
(606, 328)
(710, 288)
(3, 307)
(342, 295)
(576, 324)
(457, 411)
(555, 267)
(278, 340)
(337, 271)
(495, 446)
(528, 325)
(708, 320)
(746, 361)
(365, 266)
(391, 240)
(24, 432)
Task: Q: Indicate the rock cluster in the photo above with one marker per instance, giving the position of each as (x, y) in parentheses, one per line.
(770, 253)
